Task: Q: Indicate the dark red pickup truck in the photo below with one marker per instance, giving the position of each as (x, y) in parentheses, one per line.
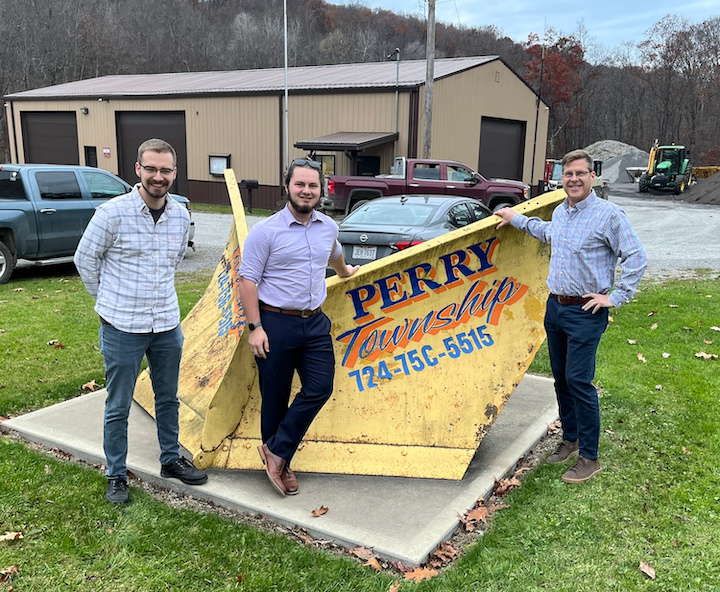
(425, 177)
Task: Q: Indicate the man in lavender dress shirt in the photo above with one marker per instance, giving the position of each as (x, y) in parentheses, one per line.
(588, 237)
(282, 288)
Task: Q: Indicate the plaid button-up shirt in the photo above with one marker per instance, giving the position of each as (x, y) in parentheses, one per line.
(128, 262)
(587, 241)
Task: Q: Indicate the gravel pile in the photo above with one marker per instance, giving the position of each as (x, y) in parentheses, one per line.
(707, 191)
(616, 157)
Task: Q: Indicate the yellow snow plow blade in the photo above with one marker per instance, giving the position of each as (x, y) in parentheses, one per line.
(430, 343)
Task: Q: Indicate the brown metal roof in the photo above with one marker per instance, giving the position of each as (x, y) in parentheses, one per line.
(347, 141)
(368, 75)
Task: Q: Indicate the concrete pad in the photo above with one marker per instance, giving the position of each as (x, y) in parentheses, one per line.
(402, 519)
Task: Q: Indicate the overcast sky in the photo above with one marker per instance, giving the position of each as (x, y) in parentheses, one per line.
(611, 23)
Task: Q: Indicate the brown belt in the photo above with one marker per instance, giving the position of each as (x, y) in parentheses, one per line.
(288, 311)
(565, 300)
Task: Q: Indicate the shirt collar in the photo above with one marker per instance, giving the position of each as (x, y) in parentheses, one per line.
(287, 216)
(585, 203)
(140, 202)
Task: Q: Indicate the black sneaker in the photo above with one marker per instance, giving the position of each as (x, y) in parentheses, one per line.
(117, 490)
(181, 468)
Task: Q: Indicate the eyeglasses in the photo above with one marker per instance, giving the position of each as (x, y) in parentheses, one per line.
(578, 174)
(313, 164)
(152, 170)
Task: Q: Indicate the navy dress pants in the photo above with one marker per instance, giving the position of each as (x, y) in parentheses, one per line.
(573, 337)
(305, 346)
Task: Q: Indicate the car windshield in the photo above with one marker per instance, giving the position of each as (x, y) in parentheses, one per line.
(392, 213)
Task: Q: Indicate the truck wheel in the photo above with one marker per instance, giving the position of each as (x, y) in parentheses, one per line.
(643, 183)
(501, 205)
(7, 263)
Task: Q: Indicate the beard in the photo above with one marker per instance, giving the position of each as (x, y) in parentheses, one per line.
(300, 207)
(156, 191)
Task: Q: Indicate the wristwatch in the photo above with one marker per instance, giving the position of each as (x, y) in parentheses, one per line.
(253, 326)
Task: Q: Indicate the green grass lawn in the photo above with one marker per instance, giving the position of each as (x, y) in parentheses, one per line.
(657, 500)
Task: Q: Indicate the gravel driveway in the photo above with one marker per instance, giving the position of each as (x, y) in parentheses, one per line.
(677, 236)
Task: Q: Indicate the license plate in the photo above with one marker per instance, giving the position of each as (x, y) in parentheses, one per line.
(360, 252)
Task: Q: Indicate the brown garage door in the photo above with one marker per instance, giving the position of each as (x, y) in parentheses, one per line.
(502, 144)
(50, 137)
(134, 127)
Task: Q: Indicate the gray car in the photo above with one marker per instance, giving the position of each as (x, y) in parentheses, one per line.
(387, 225)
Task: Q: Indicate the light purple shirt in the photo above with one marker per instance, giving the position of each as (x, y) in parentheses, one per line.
(127, 262)
(287, 259)
(587, 242)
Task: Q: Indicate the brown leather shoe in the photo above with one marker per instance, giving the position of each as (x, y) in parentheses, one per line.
(289, 481)
(567, 450)
(582, 470)
(273, 467)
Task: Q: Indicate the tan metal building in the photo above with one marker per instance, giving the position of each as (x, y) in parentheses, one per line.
(484, 115)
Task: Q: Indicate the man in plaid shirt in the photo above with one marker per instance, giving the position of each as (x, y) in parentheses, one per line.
(588, 236)
(127, 259)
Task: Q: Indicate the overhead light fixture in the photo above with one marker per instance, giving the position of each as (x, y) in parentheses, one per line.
(84, 110)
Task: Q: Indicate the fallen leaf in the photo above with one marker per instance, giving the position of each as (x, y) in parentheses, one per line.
(505, 485)
(18, 289)
(673, 305)
(398, 565)
(35, 297)
(56, 343)
(11, 536)
(686, 451)
(651, 313)
(373, 562)
(609, 432)
(705, 356)
(479, 515)
(611, 319)
(394, 588)
(715, 328)
(7, 572)
(632, 341)
(653, 326)
(641, 358)
(91, 386)
(320, 511)
(647, 569)
(420, 573)
(707, 341)
(239, 578)
(708, 295)
(665, 355)
(687, 328)
(554, 427)
(48, 470)
(2, 330)
(498, 507)
(444, 553)
(658, 387)
(363, 553)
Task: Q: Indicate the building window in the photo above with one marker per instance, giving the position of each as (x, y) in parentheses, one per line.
(218, 164)
(328, 163)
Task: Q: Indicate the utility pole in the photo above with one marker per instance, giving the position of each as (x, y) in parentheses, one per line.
(429, 78)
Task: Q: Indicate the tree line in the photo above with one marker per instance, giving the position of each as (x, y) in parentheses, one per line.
(670, 94)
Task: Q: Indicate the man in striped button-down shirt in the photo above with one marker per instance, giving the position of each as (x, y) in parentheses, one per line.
(127, 260)
(588, 236)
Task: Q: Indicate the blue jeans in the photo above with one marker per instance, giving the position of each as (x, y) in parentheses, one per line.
(123, 353)
(573, 336)
(305, 346)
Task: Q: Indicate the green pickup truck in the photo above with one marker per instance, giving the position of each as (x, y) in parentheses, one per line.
(44, 210)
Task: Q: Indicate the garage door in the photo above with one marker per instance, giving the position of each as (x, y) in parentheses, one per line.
(134, 127)
(502, 145)
(50, 137)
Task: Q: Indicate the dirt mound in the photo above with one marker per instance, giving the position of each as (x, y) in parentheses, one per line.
(607, 149)
(707, 191)
(616, 157)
